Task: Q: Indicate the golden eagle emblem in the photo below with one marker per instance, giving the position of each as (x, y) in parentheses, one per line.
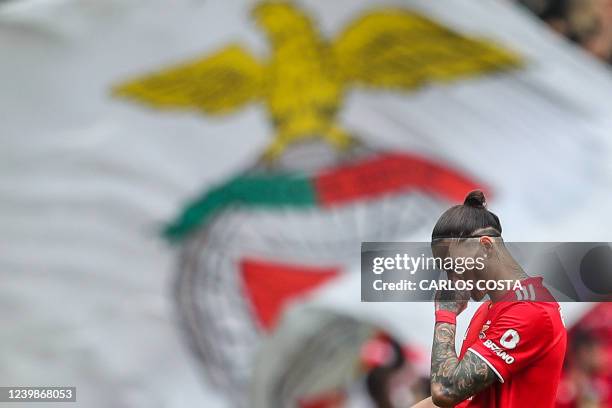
(305, 77)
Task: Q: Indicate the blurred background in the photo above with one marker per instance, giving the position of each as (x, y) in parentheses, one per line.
(185, 185)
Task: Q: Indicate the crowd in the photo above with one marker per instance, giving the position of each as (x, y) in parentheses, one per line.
(587, 378)
(585, 22)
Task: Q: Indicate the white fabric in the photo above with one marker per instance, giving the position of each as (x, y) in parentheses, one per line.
(86, 179)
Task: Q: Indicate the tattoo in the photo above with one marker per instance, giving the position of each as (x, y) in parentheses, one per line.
(453, 379)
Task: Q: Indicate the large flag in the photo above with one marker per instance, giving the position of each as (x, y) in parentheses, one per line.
(187, 172)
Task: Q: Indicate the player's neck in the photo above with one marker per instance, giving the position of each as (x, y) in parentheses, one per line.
(504, 268)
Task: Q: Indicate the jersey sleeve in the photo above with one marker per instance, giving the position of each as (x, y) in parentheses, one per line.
(516, 337)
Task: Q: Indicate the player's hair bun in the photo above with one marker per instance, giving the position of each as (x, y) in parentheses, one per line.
(475, 199)
(464, 220)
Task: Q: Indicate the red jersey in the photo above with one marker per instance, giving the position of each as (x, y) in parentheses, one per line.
(522, 338)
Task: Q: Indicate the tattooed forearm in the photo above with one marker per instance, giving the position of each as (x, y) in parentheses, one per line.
(452, 380)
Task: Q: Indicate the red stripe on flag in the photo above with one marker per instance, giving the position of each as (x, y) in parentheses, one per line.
(270, 286)
(387, 174)
(328, 399)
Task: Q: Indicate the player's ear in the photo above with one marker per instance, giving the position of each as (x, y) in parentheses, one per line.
(487, 243)
(485, 240)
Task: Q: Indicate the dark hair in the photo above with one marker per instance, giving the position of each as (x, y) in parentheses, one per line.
(377, 380)
(462, 221)
(547, 9)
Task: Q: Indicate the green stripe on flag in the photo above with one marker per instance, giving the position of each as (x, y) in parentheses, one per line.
(252, 190)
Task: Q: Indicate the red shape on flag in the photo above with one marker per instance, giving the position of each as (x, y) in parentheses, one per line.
(271, 285)
(329, 399)
(388, 174)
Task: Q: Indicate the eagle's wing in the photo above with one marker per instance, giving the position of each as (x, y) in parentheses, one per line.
(401, 49)
(218, 83)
